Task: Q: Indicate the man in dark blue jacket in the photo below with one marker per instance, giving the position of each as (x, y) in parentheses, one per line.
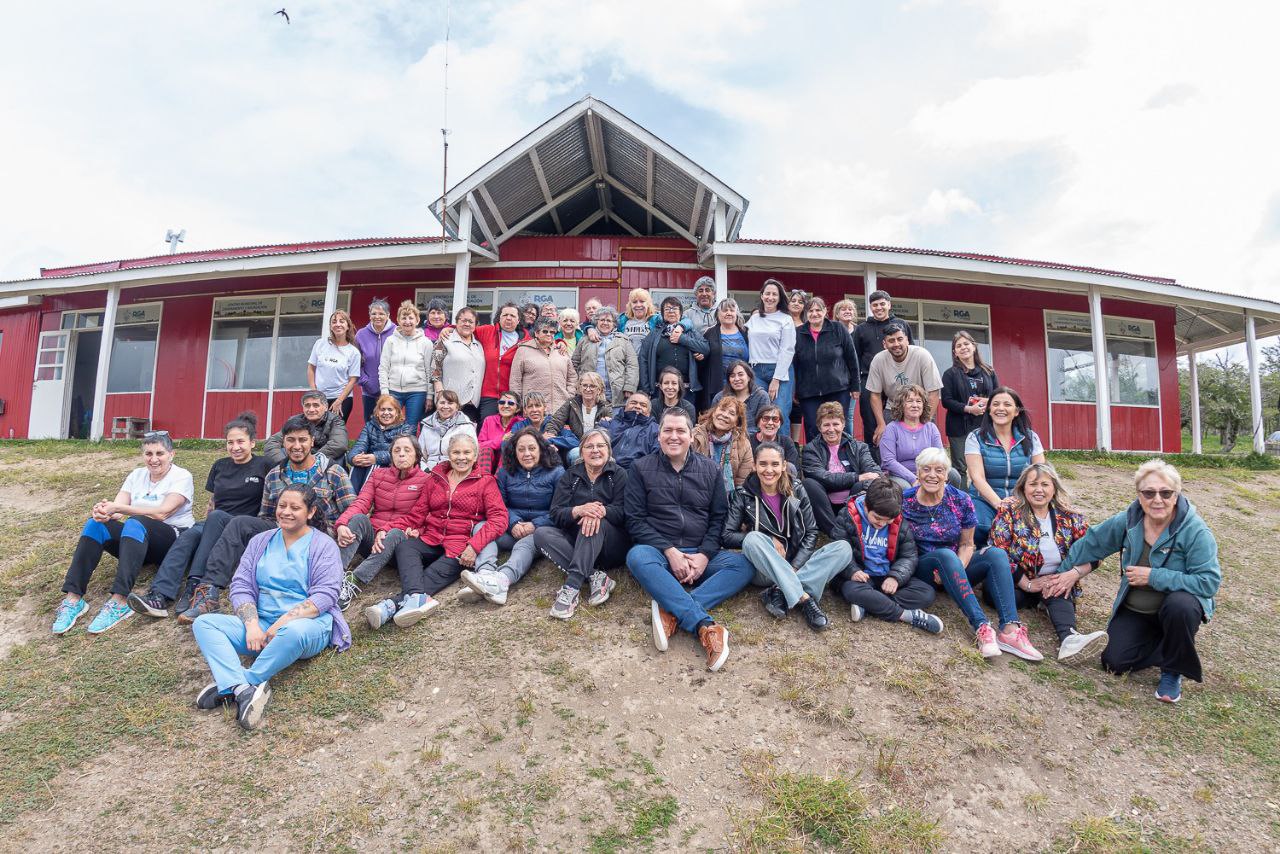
(675, 506)
(634, 433)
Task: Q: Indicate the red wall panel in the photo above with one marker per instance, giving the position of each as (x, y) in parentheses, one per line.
(1136, 428)
(1075, 427)
(283, 405)
(221, 406)
(181, 358)
(18, 355)
(137, 404)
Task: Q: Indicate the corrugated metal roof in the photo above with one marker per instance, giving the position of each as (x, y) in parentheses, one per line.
(234, 252)
(969, 256)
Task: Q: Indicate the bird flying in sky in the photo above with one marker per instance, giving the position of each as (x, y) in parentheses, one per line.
(284, 15)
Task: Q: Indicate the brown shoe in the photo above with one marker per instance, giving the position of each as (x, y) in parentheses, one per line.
(663, 624)
(715, 640)
(204, 600)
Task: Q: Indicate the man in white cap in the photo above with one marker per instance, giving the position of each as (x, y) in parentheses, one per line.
(702, 314)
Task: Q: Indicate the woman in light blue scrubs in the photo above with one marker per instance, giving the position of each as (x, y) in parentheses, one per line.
(287, 581)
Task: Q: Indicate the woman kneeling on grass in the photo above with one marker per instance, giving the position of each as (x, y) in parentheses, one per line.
(882, 581)
(1169, 577)
(779, 539)
(138, 526)
(288, 578)
(1036, 527)
(527, 480)
(942, 519)
(457, 498)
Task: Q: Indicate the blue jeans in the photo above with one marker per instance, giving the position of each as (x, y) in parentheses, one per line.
(991, 567)
(771, 570)
(221, 638)
(726, 574)
(764, 376)
(851, 408)
(414, 403)
(190, 552)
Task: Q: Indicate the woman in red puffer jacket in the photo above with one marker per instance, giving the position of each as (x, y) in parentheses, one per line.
(458, 513)
(375, 522)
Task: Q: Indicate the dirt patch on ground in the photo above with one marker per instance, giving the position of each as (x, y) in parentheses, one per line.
(509, 731)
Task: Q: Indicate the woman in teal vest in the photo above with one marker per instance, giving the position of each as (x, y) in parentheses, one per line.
(996, 455)
(1169, 575)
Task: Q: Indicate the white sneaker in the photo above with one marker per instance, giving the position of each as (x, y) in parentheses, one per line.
(414, 607)
(600, 585)
(1077, 648)
(488, 584)
(856, 612)
(660, 635)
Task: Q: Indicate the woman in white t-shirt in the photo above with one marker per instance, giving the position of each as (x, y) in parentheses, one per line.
(771, 339)
(138, 526)
(334, 364)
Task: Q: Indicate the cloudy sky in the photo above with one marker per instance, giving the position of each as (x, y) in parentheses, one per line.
(1135, 135)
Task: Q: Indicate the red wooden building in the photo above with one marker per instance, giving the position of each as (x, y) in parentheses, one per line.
(588, 204)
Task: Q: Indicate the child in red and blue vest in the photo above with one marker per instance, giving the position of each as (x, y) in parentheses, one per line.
(880, 581)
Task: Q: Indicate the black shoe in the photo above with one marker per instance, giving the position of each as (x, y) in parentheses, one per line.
(184, 598)
(153, 604)
(813, 615)
(251, 704)
(211, 698)
(774, 602)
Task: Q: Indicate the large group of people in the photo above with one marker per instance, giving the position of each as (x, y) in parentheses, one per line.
(661, 442)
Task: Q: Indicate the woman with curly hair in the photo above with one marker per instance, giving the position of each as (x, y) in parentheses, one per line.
(722, 435)
(910, 432)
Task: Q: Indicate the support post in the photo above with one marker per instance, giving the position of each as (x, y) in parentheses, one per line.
(1255, 384)
(1197, 442)
(1101, 381)
(462, 266)
(104, 364)
(330, 298)
(721, 263)
(869, 278)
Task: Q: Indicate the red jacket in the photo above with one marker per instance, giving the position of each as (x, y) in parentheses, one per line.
(447, 520)
(388, 495)
(497, 371)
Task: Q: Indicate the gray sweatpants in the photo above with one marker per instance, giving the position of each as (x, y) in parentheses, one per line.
(517, 563)
(363, 545)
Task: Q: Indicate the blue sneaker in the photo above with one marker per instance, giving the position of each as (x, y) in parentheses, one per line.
(67, 614)
(1170, 688)
(380, 613)
(414, 607)
(112, 614)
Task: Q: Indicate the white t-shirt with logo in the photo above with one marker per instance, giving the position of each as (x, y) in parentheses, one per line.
(334, 365)
(143, 493)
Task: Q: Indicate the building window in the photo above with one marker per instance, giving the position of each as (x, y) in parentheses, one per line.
(934, 324)
(262, 343)
(480, 299)
(1132, 371)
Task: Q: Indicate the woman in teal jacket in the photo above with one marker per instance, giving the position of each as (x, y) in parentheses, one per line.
(1169, 576)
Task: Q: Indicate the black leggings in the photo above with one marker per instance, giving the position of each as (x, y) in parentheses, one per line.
(1165, 639)
(424, 568)
(580, 555)
(348, 403)
(134, 542)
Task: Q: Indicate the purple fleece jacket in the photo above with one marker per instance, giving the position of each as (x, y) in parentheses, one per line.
(324, 578)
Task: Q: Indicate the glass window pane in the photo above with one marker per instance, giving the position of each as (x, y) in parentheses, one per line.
(297, 335)
(937, 340)
(1071, 368)
(240, 354)
(1132, 371)
(133, 358)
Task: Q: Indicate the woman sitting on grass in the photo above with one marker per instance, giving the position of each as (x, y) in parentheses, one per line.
(138, 526)
(527, 480)
(288, 579)
(942, 519)
(1036, 527)
(1169, 577)
(375, 522)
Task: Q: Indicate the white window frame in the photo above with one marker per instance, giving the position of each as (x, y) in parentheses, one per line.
(917, 324)
(159, 322)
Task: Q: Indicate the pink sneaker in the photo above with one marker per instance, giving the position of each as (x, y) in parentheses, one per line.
(1014, 640)
(987, 641)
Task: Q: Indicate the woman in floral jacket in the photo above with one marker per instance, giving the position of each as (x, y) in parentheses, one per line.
(1036, 527)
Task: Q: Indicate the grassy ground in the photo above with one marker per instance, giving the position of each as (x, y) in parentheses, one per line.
(499, 729)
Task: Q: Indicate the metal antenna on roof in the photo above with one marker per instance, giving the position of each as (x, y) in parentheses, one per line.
(444, 131)
(173, 238)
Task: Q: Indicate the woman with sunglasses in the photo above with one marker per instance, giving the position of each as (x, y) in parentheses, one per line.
(497, 427)
(1169, 576)
(768, 428)
(138, 526)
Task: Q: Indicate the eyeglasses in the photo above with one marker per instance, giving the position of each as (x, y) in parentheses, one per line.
(506, 403)
(770, 418)
(1150, 494)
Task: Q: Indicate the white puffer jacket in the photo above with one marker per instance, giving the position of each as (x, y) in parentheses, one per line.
(406, 363)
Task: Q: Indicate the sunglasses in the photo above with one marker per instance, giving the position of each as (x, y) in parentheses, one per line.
(770, 418)
(506, 403)
(1149, 494)
(155, 434)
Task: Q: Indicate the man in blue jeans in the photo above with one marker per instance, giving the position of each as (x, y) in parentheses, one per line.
(675, 506)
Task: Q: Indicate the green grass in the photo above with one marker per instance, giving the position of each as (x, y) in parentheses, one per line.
(803, 811)
(1121, 836)
(648, 818)
(1125, 460)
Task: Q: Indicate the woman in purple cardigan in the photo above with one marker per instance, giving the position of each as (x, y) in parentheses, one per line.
(288, 580)
(910, 432)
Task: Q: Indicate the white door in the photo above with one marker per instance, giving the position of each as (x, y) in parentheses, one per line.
(49, 390)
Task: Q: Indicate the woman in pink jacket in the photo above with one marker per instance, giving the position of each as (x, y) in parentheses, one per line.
(375, 522)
